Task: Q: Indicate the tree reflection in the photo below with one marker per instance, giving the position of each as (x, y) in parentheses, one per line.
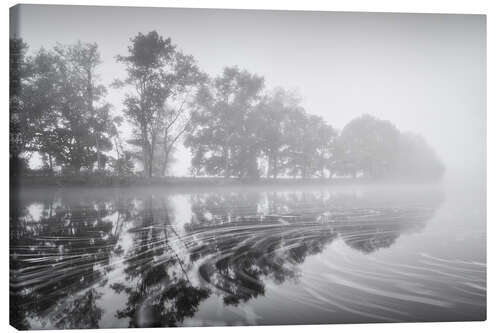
(228, 245)
(158, 287)
(268, 236)
(83, 312)
(57, 255)
(246, 246)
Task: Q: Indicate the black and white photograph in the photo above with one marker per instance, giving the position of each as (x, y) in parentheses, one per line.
(237, 167)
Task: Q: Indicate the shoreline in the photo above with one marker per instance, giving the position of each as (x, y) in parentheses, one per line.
(93, 181)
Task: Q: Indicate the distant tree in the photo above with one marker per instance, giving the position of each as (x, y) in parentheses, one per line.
(222, 133)
(325, 137)
(369, 146)
(417, 160)
(308, 141)
(156, 71)
(272, 113)
(338, 163)
(297, 162)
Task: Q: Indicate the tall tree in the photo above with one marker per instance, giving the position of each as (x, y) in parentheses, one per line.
(84, 124)
(86, 58)
(156, 71)
(41, 99)
(272, 113)
(20, 121)
(57, 106)
(223, 125)
(308, 138)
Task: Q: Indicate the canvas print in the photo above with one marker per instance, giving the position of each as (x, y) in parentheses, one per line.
(201, 167)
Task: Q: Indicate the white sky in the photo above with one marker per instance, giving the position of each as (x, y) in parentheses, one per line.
(423, 72)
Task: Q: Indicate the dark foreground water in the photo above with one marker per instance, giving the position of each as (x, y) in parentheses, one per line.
(83, 258)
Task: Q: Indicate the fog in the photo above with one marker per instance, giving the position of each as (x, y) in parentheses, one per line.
(365, 197)
(424, 73)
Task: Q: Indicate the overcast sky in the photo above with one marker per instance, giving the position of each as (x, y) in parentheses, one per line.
(424, 72)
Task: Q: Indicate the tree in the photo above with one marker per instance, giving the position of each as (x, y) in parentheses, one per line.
(63, 108)
(86, 57)
(368, 146)
(123, 163)
(222, 134)
(308, 141)
(156, 71)
(272, 113)
(82, 128)
(40, 98)
(417, 160)
(326, 137)
(20, 122)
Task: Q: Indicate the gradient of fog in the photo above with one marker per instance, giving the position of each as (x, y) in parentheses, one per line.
(423, 72)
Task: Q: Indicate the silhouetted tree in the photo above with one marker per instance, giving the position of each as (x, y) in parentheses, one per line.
(222, 135)
(22, 122)
(272, 113)
(71, 121)
(156, 71)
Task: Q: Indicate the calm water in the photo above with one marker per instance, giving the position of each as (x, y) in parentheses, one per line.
(85, 258)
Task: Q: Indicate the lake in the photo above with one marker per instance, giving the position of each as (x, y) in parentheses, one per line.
(133, 257)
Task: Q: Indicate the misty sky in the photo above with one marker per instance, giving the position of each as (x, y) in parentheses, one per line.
(424, 72)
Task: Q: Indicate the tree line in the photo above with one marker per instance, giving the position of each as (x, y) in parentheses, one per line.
(232, 125)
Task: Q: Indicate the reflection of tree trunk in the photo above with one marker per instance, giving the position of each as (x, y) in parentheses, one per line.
(118, 226)
(179, 261)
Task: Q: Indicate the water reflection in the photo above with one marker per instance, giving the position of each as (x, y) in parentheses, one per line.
(158, 256)
(159, 290)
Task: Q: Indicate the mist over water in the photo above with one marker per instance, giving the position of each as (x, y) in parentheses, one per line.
(340, 109)
(258, 255)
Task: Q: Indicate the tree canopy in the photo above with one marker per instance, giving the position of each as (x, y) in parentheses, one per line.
(232, 125)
